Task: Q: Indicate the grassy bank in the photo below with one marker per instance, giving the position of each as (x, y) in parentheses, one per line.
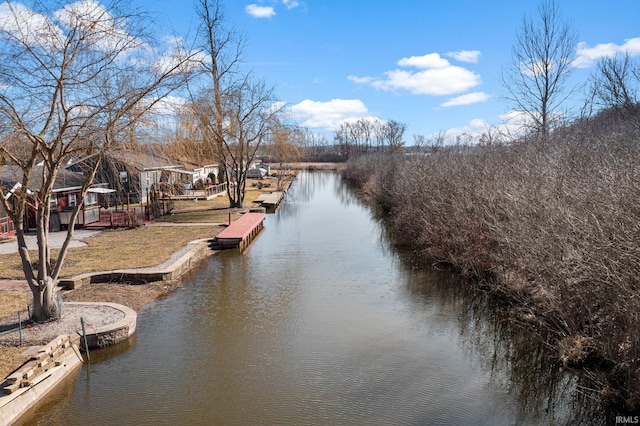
(551, 228)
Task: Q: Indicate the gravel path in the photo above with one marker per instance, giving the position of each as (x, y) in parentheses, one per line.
(94, 316)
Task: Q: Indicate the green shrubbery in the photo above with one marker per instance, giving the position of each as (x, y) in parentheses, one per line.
(553, 227)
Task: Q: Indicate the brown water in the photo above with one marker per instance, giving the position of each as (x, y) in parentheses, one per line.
(319, 323)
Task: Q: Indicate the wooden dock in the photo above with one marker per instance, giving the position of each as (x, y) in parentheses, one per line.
(241, 232)
(270, 200)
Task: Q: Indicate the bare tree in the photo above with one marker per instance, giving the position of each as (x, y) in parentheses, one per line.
(541, 63)
(73, 82)
(317, 147)
(615, 84)
(430, 145)
(357, 137)
(236, 111)
(393, 132)
(248, 114)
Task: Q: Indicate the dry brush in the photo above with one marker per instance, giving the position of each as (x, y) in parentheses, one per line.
(551, 228)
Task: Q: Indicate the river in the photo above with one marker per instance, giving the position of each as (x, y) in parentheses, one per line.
(318, 323)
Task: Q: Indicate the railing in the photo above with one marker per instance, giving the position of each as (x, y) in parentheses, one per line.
(207, 192)
(6, 226)
(125, 218)
(215, 189)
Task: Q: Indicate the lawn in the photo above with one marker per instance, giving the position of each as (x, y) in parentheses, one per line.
(215, 210)
(119, 249)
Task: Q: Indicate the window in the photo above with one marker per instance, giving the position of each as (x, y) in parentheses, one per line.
(72, 200)
(91, 199)
(53, 202)
(123, 177)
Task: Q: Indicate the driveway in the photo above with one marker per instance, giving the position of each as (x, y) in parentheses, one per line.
(56, 239)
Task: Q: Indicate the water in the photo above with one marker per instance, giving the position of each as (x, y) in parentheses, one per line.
(319, 323)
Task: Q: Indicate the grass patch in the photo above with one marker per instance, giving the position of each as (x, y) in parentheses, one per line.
(10, 359)
(215, 210)
(119, 249)
(198, 213)
(12, 301)
(132, 248)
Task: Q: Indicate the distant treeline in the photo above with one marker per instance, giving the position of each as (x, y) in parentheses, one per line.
(550, 226)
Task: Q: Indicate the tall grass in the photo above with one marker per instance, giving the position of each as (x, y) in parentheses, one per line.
(552, 228)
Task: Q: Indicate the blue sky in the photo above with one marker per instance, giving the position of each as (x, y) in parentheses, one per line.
(431, 64)
(434, 65)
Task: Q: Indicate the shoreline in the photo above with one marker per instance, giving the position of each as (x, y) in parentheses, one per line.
(131, 288)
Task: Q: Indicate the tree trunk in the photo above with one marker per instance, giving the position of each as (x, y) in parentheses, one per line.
(45, 303)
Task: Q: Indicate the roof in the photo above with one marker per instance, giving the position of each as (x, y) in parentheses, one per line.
(170, 169)
(126, 160)
(66, 180)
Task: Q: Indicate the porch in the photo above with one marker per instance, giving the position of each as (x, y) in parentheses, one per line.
(7, 228)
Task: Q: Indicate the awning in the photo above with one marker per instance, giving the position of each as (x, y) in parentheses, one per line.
(102, 190)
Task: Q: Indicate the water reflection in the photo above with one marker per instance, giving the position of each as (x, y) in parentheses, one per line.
(516, 359)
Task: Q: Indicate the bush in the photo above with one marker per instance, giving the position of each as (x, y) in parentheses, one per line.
(552, 227)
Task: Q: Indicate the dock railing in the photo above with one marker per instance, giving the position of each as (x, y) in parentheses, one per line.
(205, 193)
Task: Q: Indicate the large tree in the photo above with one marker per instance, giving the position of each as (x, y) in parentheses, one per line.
(74, 79)
(237, 112)
(541, 62)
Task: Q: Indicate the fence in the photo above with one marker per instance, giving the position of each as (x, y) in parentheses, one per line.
(130, 218)
(205, 193)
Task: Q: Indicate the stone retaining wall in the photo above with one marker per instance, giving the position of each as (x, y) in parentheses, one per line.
(142, 276)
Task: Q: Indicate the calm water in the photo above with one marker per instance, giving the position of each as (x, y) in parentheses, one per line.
(319, 323)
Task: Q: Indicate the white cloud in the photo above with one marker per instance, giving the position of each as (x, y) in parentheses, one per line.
(260, 11)
(435, 76)
(361, 80)
(472, 129)
(167, 106)
(515, 123)
(178, 59)
(440, 81)
(290, 4)
(328, 115)
(103, 29)
(466, 99)
(512, 124)
(513, 116)
(471, 56)
(587, 56)
(29, 27)
(432, 60)
(98, 27)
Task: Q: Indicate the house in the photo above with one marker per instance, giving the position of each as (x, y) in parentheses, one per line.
(136, 176)
(258, 171)
(207, 174)
(131, 174)
(64, 197)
